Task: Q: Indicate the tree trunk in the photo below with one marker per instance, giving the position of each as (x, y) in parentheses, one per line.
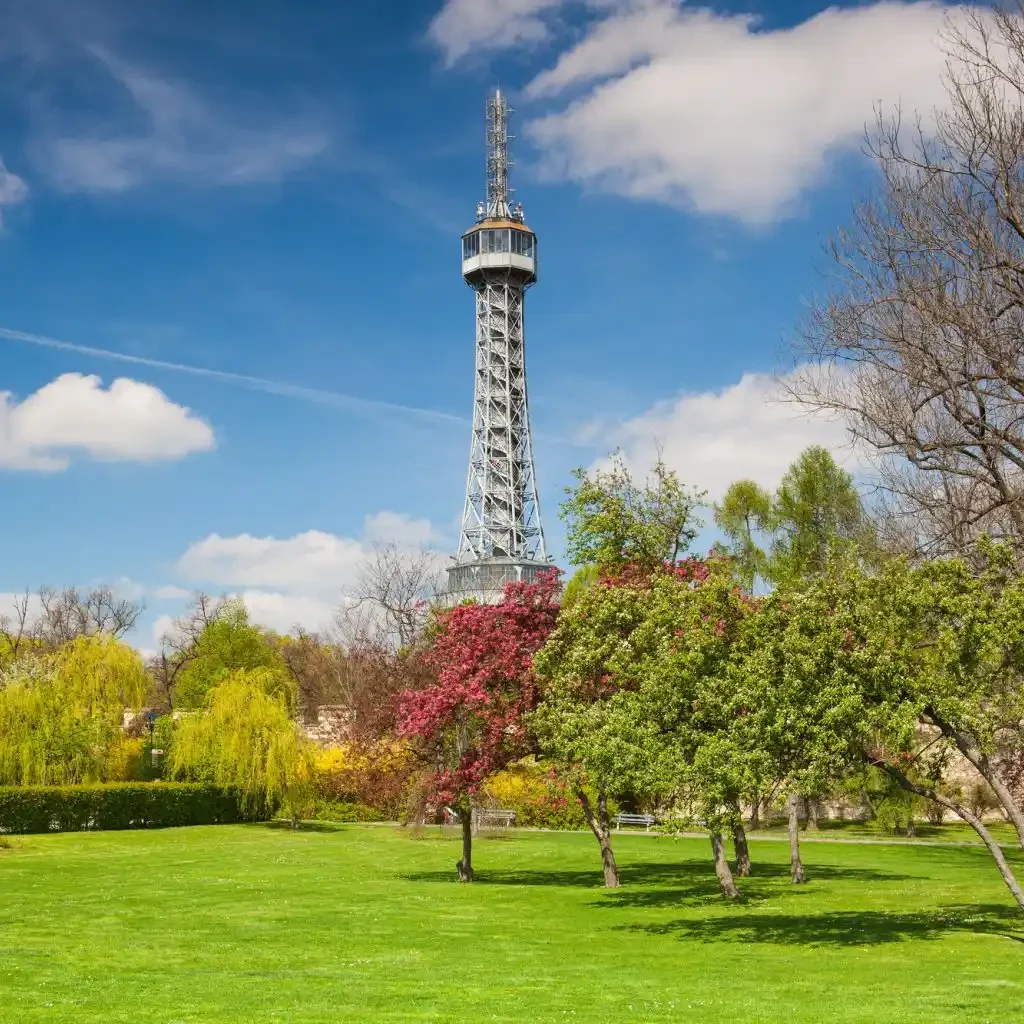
(722, 867)
(754, 821)
(739, 840)
(796, 865)
(973, 820)
(980, 760)
(811, 809)
(601, 828)
(465, 865)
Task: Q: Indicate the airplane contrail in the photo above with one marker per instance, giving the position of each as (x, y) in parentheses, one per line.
(270, 387)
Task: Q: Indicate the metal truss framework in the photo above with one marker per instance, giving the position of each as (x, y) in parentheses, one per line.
(501, 518)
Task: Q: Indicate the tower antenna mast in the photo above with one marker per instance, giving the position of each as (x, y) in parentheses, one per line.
(502, 540)
(499, 192)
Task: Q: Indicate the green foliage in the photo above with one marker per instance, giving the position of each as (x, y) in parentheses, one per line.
(342, 810)
(229, 643)
(583, 578)
(26, 809)
(611, 520)
(540, 797)
(586, 723)
(61, 714)
(744, 513)
(245, 741)
(815, 514)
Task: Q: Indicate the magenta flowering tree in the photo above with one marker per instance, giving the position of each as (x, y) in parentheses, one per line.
(471, 722)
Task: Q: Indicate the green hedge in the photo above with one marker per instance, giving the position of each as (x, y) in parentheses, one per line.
(25, 809)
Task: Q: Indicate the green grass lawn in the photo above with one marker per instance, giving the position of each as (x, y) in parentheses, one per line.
(254, 923)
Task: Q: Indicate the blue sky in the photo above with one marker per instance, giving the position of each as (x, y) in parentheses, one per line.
(275, 192)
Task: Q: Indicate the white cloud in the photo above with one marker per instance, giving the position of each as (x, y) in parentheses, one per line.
(313, 559)
(175, 135)
(463, 26)
(172, 593)
(128, 589)
(283, 612)
(13, 189)
(163, 625)
(75, 414)
(313, 563)
(715, 437)
(706, 110)
(400, 529)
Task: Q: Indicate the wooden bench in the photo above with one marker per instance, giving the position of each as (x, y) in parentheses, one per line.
(490, 817)
(647, 820)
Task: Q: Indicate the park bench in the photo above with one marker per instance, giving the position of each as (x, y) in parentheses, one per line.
(647, 820)
(491, 817)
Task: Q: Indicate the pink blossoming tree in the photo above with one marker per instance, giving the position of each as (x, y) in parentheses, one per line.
(472, 721)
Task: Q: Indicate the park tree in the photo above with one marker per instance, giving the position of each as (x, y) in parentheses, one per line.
(49, 618)
(680, 669)
(897, 670)
(586, 723)
(785, 537)
(244, 739)
(622, 535)
(61, 713)
(917, 345)
(390, 602)
(472, 721)
(612, 520)
(210, 642)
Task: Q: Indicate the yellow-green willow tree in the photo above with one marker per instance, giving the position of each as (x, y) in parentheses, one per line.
(62, 714)
(246, 741)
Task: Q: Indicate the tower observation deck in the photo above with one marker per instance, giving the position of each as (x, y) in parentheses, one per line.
(502, 539)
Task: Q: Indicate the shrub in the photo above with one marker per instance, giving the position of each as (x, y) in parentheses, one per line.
(25, 809)
(538, 796)
(343, 810)
(377, 776)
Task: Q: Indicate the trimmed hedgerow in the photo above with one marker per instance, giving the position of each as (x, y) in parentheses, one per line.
(25, 809)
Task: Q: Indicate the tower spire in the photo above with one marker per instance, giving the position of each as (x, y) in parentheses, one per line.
(499, 192)
(502, 539)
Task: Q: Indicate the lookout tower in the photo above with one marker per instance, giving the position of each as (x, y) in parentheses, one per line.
(502, 539)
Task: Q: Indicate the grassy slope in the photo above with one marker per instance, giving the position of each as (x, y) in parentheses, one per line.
(249, 923)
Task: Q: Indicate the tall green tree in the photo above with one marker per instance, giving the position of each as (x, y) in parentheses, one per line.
(788, 536)
(619, 532)
(227, 643)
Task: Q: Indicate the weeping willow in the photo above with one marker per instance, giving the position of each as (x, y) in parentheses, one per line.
(61, 714)
(245, 740)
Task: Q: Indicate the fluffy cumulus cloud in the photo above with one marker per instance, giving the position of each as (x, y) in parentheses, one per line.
(462, 26)
(712, 438)
(298, 580)
(710, 111)
(312, 559)
(13, 190)
(75, 414)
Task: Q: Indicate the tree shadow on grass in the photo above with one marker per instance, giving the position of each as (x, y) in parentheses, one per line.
(845, 928)
(640, 881)
(306, 826)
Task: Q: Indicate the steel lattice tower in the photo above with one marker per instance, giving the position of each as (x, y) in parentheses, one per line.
(502, 539)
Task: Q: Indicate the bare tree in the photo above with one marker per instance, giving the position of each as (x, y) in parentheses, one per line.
(318, 669)
(178, 645)
(16, 629)
(920, 346)
(69, 613)
(392, 596)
